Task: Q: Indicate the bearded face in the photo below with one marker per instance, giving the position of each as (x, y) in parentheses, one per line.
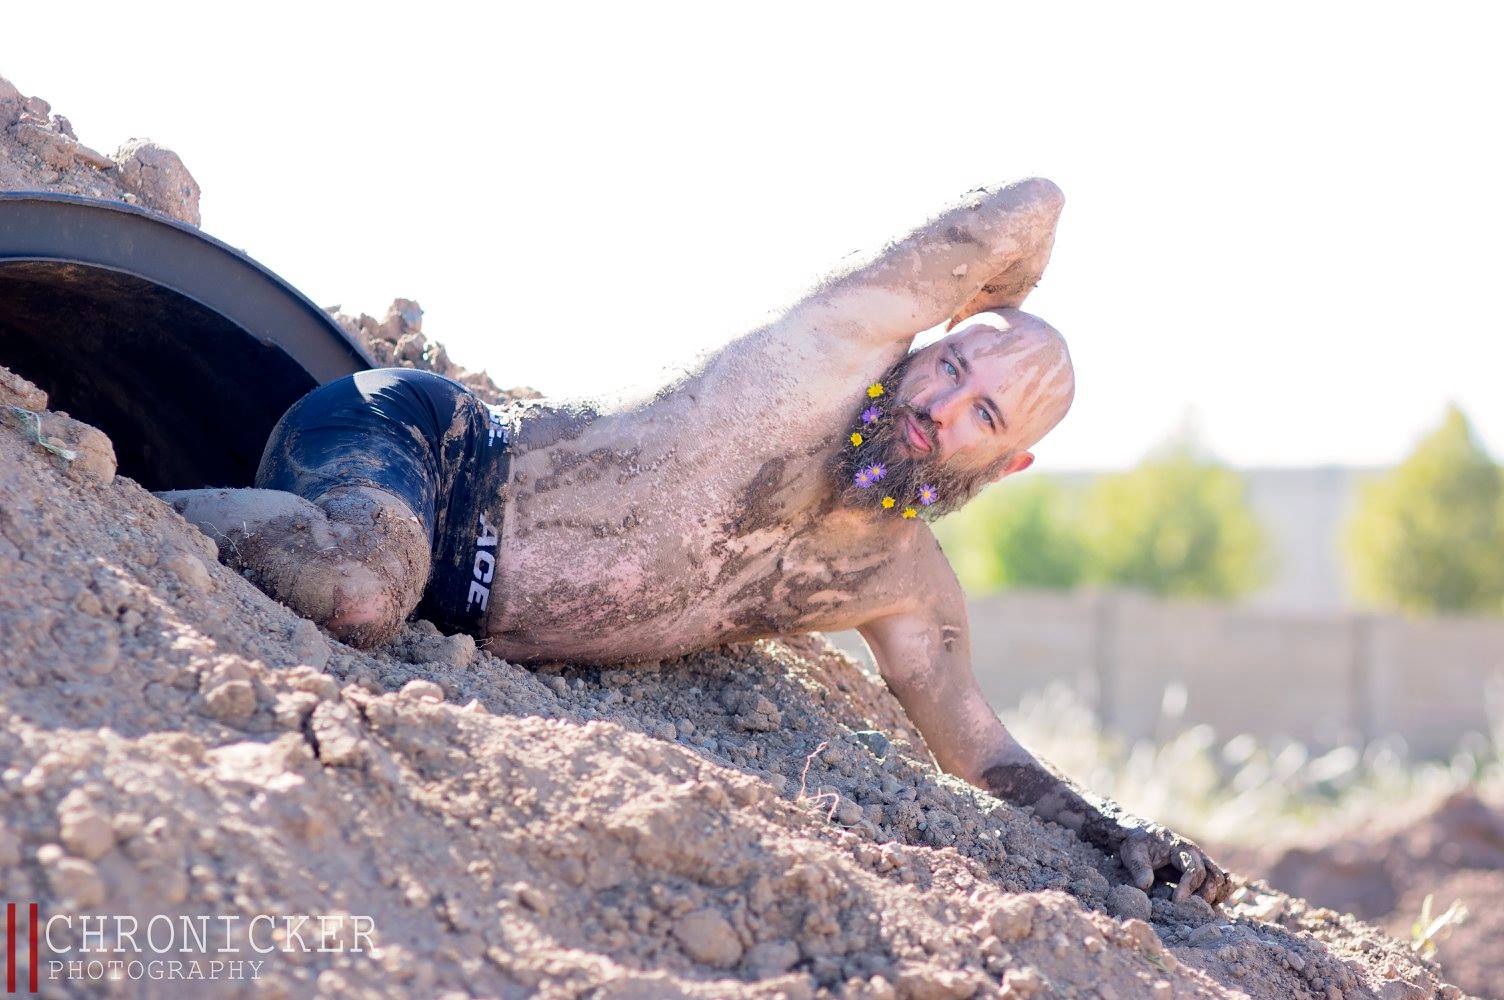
(880, 473)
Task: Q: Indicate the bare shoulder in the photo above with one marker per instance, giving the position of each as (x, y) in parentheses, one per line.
(917, 577)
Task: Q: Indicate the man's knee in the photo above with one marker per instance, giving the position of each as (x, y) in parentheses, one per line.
(377, 570)
(365, 608)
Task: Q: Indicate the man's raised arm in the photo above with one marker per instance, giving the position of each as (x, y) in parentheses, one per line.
(925, 657)
(985, 252)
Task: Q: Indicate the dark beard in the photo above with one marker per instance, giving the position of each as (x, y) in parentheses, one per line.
(904, 477)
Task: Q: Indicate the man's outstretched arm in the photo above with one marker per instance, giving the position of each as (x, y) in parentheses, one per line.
(987, 251)
(925, 657)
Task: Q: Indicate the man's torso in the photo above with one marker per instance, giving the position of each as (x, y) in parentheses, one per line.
(698, 516)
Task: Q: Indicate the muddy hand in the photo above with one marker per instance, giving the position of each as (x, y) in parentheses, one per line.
(1007, 288)
(1150, 853)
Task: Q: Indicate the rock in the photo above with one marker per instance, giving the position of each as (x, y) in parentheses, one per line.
(421, 689)
(1014, 919)
(74, 881)
(321, 685)
(1128, 902)
(1143, 937)
(86, 452)
(874, 741)
(292, 707)
(15, 390)
(10, 844)
(926, 983)
(847, 812)
(771, 958)
(752, 712)
(11, 102)
(337, 735)
(1205, 936)
(85, 831)
(190, 571)
(230, 701)
(157, 176)
(309, 645)
(1267, 908)
(709, 938)
(1025, 982)
(53, 148)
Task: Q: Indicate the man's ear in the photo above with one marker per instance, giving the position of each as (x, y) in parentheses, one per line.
(1017, 463)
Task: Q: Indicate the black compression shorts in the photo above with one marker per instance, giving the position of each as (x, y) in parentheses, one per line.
(424, 438)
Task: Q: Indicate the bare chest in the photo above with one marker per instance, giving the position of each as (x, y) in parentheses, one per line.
(636, 545)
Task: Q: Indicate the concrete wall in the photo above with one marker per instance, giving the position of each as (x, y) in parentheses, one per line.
(1325, 679)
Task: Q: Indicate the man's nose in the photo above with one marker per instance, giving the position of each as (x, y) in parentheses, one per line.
(944, 408)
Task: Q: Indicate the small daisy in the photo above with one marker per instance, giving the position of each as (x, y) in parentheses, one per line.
(876, 471)
(875, 389)
(910, 512)
(888, 502)
(856, 439)
(871, 415)
(862, 479)
(928, 494)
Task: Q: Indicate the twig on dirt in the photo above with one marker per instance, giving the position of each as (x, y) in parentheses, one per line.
(803, 796)
(33, 424)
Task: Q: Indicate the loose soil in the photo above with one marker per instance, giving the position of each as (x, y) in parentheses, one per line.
(1451, 851)
(758, 820)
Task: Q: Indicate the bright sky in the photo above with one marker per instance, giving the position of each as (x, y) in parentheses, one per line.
(1285, 218)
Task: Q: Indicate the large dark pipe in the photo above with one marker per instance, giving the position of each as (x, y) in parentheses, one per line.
(184, 350)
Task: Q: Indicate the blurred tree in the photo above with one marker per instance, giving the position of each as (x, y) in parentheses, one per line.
(1020, 533)
(1429, 535)
(1178, 524)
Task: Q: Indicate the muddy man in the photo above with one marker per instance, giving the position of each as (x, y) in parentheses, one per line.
(784, 484)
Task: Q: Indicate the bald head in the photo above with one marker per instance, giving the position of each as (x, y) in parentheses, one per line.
(1025, 361)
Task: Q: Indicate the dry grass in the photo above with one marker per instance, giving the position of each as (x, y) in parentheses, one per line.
(1242, 790)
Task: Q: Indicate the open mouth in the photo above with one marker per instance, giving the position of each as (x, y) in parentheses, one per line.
(917, 439)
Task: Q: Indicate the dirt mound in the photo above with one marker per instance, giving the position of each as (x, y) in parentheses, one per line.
(758, 820)
(397, 341)
(39, 151)
(1454, 851)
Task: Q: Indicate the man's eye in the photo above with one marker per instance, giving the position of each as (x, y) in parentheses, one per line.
(950, 369)
(985, 415)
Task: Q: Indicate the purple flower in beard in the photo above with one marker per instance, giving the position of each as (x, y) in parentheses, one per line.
(876, 471)
(871, 415)
(862, 479)
(928, 494)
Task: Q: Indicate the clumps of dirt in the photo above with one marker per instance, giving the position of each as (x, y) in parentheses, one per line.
(1452, 851)
(39, 151)
(753, 821)
(397, 341)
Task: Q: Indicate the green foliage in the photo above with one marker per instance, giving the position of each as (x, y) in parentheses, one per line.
(1176, 525)
(1429, 535)
(1020, 533)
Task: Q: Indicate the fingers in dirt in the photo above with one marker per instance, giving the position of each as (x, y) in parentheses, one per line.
(1217, 886)
(1192, 873)
(1135, 857)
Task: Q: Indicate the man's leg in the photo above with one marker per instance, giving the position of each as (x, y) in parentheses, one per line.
(355, 561)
